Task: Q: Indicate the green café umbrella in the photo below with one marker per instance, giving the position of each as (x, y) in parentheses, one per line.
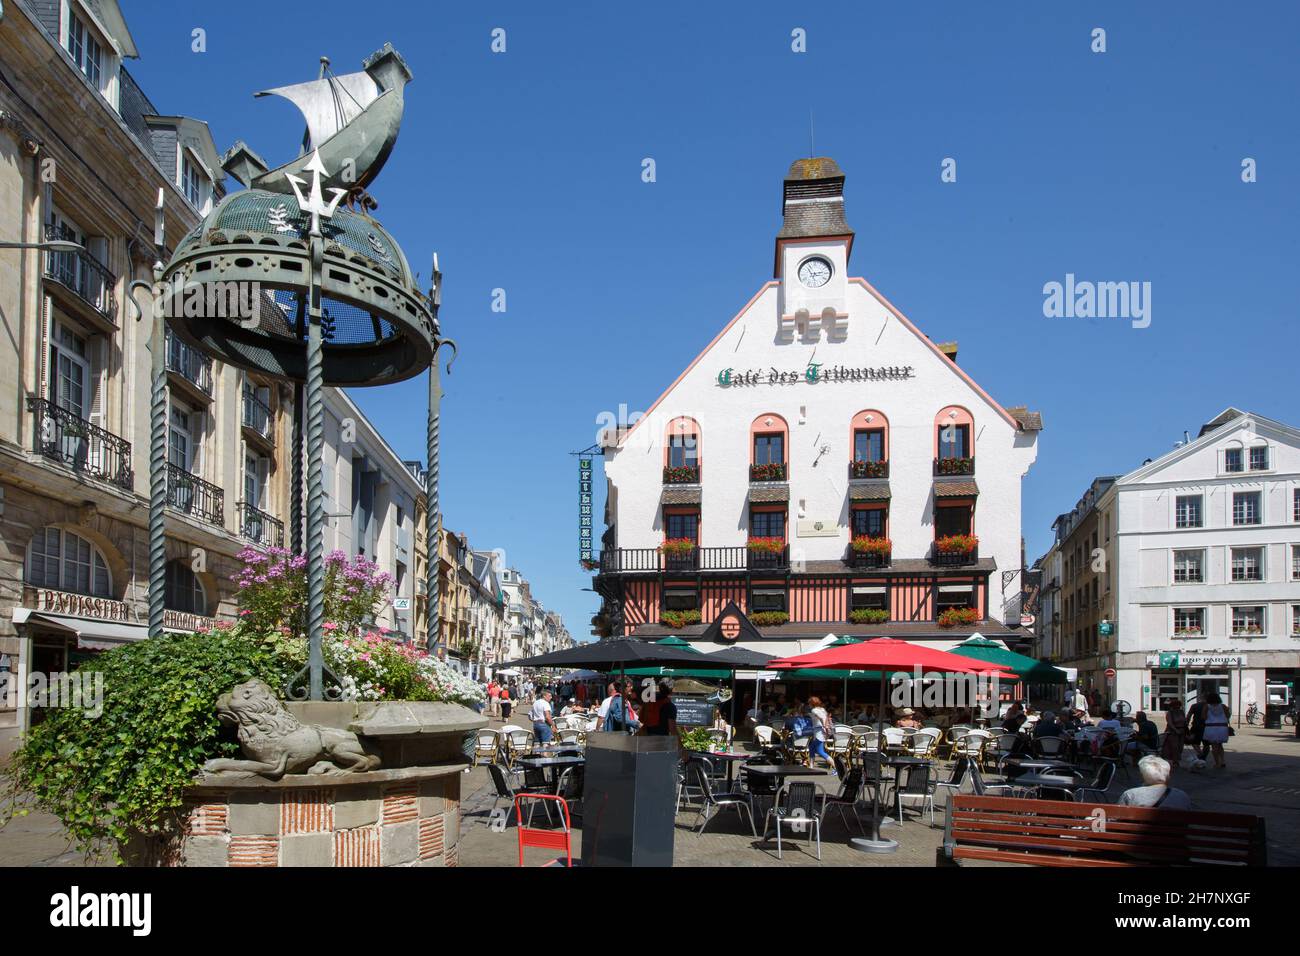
(676, 643)
(1026, 669)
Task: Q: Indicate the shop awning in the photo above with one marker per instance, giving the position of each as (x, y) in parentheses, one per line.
(91, 634)
(773, 492)
(961, 488)
(869, 491)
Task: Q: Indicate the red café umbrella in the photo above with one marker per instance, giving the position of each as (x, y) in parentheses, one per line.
(888, 656)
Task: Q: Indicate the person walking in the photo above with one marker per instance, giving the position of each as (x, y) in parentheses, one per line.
(1217, 729)
(494, 692)
(822, 727)
(540, 714)
(506, 703)
(1175, 733)
(1196, 726)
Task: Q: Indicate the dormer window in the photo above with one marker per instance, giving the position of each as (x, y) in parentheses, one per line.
(86, 51)
(194, 183)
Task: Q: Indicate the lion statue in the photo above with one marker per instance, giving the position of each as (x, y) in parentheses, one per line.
(278, 743)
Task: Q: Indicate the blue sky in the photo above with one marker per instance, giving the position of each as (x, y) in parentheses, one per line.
(523, 170)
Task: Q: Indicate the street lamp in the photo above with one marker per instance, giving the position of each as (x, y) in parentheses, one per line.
(54, 245)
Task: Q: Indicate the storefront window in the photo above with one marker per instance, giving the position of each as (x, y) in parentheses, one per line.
(65, 561)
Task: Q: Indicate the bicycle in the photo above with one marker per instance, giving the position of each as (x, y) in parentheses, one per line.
(1288, 717)
(1253, 714)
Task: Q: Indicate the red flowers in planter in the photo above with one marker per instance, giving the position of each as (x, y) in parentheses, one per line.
(956, 544)
(869, 469)
(958, 615)
(867, 545)
(677, 547)
(766, 545)
(681, 474)
(772, 471)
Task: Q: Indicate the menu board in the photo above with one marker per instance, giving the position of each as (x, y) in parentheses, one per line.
(693, 711)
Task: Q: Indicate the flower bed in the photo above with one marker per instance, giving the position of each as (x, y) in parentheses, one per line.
(677, 619)
(869, 615)
(955, 616)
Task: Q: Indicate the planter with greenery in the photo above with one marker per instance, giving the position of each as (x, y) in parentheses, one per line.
(769, 618)
(877, 546)
(955, 616)
(955, 466)
(772, 471)
(765, 545)
(956, 544)
(677, 547)
(869, 469)
(124, 774)
(869, 615)
(681, 474)
(697, 740)
(677, 619)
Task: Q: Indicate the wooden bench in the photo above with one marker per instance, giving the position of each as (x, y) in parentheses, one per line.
(1059, 833)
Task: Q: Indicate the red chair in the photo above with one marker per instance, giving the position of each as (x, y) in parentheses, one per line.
(547, 839)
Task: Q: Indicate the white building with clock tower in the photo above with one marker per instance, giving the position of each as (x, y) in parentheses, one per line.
(820, 466)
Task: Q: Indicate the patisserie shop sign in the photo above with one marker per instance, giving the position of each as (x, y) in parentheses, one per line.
(815, 372)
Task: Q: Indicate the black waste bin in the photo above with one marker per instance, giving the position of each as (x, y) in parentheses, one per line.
(1273, 716)
(629, 800)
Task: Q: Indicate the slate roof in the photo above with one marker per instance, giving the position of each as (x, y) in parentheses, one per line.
(869, 491)
(1028, 421)
(681, 495)
(961, 488)
(772, 492)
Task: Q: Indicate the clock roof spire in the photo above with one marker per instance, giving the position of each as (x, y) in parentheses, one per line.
(812, 203)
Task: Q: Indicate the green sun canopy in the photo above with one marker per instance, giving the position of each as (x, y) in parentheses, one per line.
(1025, 668)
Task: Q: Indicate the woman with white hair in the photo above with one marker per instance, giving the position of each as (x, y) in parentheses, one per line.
(1156, 792)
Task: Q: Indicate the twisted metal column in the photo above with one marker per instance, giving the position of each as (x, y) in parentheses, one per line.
(432, 518)
(295, 474)
(315, 483)
(157, 458)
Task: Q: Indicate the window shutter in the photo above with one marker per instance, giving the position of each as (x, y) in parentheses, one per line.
(263, 481)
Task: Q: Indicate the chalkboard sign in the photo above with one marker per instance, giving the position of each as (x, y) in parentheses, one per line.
(693, 711)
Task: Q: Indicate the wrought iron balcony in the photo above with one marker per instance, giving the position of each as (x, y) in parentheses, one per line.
(189, 363)
(82, 274)
(642, 560)
(954, 466)
(194, 496)
(259, 527)
(868, 559)
(773, 471)
(868, 469)
(681, 474)
(257, 415)
(768, 560)
(62, 436)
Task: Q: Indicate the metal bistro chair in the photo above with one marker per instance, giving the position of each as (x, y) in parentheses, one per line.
(970, 745)
(873, 773)
(841, 745)
(955, 733)
(1000, 748)
(846, 798)
(717, 801)
(519, 743)
(504, 790)
(1096, 791)
(763, 735)
(912, 785)
(1048, 747)
(796, 804)
(982, 789)
(894, 738)
(799, 749)
(865, 743)
(486, 744)
(571, 783)
(924, 743)
(956, 779)
(570, 736)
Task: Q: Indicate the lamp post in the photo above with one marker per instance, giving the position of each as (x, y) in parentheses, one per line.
(53, 245)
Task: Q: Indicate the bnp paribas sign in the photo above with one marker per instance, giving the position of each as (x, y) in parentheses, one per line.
(815, 373)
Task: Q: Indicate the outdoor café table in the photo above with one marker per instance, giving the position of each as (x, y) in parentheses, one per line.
(1045, 781)
(730, 759)
(1022, 765)
(764, 801)
(902, 761)
(556, 765)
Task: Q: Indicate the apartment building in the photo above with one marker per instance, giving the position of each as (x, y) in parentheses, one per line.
(817, 462)
(84, 153)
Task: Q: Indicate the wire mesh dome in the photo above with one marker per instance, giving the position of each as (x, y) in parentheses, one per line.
(239, 284)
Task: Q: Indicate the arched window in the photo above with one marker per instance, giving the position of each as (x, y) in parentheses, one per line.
(869, 445)
(954, 441)
(682, 450)
(769, 454)
(65, 561)
(184, 590)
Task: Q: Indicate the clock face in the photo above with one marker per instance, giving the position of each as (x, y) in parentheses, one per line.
(815, 272)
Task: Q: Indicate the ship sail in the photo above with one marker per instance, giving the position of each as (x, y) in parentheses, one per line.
(329, 104)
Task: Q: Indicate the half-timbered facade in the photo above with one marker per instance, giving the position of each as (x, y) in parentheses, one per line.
(822, 463)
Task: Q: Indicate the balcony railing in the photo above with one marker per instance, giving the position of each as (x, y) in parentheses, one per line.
(81, 273)
(868, 469)
(633, 560)
(945, 559)
(681, 474)
(768, 560)
(62, 436)
(867, 559)
(189, 363)
(954, 466)
(772, 471)
(259, 527)
(194, 496)
(257, 414)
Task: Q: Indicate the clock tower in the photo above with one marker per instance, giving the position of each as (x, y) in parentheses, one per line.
(812, 254)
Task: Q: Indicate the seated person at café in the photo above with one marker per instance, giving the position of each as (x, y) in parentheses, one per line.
(1155, 791)
(1047, 725)
(907, 719)
(1146, 736)
(1012, 722)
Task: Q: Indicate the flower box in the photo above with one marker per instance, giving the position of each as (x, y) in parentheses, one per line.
(958, 616)
(765, 545)
(677, 619)
(867, 545)
(681, 474)
(956, 544)
(954, 466)
(677, 547)
(769, 618)
(773, 471)
(868, 469)
(869, 615)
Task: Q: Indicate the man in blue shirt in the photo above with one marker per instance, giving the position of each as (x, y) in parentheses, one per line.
(618, 718)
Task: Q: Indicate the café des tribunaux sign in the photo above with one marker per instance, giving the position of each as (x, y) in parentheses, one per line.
(815, 373)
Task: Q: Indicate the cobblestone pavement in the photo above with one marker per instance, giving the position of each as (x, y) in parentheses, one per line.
(1262, 777)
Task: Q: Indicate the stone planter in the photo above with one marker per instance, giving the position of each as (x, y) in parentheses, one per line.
(406, 813)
